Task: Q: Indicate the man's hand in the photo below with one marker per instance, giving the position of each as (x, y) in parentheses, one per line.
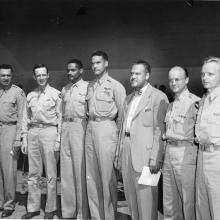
(24, 146)
(155, 166)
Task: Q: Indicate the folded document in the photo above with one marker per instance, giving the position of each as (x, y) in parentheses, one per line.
(147, 178)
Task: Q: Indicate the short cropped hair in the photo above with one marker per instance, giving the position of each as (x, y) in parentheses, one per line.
(210, 59)
(145, 64)
(40, 66)
(77, 62)
(101, 54)
(7, 67)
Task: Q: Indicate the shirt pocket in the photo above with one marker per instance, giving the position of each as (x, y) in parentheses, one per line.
(214, 124)
(147, 117)
(178, 123)
(81, 97)
(10, 105)
(104, 101)
(49, 104)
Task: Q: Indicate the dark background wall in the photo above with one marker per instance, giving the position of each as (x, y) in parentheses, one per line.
(164, 33)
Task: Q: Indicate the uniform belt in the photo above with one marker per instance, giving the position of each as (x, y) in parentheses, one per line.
(179, 142)
(93, 118)
(40, 125)
(127, 134)
(73, 119)
(8, 123)
(209, 147)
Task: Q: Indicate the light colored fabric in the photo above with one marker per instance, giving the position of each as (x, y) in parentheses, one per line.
(74, 100)
(181, 116)
(208, 119)
(145, 143)
(43, 107)
(133, 106)
(12, 103)
(41, 153)
(72, 156)
(207, 186)
(142, 200)
(105, 98)
(179, 182)
(8, 167)
(101, 139)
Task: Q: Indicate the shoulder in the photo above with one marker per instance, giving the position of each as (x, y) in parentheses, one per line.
(31, 95)
(158, 94)
(17, 90)
(193, 97)
(54, 91)
(116, 84)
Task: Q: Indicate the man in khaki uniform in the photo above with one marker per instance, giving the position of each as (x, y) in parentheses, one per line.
(105, 100)
(41, 129)
(208, 136)
(181, 152)
(72, 155)
(12, 100)
(140, 144)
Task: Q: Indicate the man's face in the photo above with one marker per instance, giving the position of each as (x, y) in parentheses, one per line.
(210, 75)
(5, 77)
(139, 76)
(41, 76)
(99, 65)
(177, 80)
(73, 72)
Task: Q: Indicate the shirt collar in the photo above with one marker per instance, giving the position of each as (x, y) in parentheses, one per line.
(45, 90)
(142, 90)
(103, 78)
(183, 95)
(77, 84)
(212, 95)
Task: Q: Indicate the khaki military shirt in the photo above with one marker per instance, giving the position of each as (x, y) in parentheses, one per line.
(181, 117)
(12, 102)
(208, 119)
(43, 108)
(105, 98)
(74, 100)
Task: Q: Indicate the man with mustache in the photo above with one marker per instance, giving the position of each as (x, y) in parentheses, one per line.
(12, 100)
(72, 154)
(41, 128)
(141, 143)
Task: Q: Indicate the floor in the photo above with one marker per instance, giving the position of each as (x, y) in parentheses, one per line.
(20, 210)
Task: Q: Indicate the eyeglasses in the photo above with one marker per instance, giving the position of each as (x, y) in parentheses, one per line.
(176, 80)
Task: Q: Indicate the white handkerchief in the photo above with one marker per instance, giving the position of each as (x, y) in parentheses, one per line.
(147, 178)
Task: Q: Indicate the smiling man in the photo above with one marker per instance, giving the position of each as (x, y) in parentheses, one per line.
(141, 142)
(181, 152)
(105, 100)
(41, 129)
(208, 136)
(72, 155)
(12, 100)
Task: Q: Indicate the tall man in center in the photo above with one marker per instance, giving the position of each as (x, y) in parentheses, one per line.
(105, 100)
(72, 155)
(141, 141)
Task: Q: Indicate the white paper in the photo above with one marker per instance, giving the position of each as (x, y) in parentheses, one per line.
(147, 178)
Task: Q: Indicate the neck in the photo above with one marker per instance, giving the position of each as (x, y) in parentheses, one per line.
(76, 80)
(42, 88)
(177, 95)
(141, 87)
(101, 75)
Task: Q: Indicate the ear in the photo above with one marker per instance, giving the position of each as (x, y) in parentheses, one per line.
(81, 70)
(48, 75)
(106, 63)
(147, 76)
(34, 77)
(187, 80)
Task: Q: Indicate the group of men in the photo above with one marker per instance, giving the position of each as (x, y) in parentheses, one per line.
(95, 129)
